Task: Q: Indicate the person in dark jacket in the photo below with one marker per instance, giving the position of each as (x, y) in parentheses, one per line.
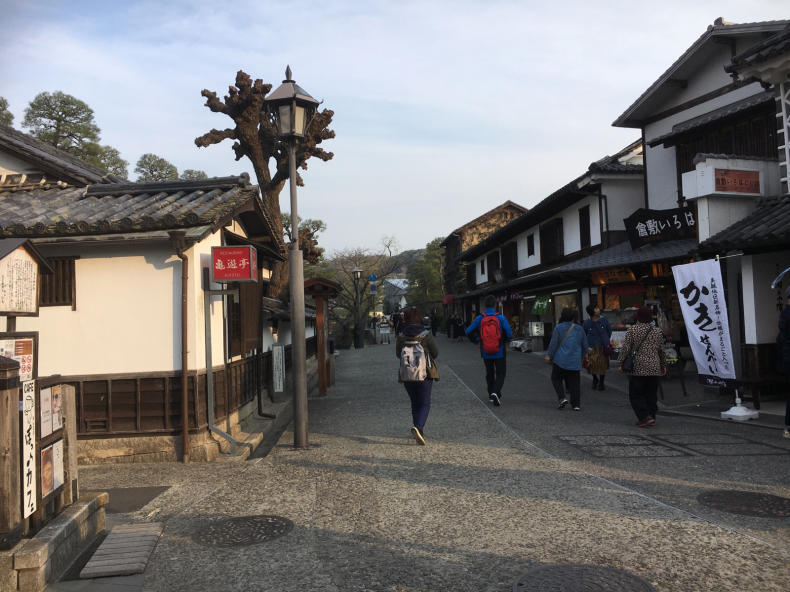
(419, 391)
(783, 353)
(495, 364)
(599, 335)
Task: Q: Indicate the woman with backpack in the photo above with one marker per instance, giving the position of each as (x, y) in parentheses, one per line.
(644, 343)
(417, 351)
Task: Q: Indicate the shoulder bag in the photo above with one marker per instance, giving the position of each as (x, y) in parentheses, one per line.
(627, 365)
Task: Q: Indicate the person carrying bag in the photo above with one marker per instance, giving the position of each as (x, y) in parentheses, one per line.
(565, 355)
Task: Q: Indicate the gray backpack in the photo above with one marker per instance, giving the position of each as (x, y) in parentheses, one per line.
(414, 360)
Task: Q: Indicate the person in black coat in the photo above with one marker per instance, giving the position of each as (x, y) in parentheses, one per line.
(783, 353)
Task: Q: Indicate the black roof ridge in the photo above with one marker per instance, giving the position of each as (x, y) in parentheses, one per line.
(242, 180)
(13, 138)
(739, 60)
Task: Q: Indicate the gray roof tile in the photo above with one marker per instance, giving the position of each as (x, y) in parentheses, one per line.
(768, 227)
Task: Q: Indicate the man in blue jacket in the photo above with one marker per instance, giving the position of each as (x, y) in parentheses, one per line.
(480, 331)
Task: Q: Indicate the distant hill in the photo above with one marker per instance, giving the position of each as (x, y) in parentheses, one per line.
(405, 259)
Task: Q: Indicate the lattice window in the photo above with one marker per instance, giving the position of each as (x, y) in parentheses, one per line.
(59, 288)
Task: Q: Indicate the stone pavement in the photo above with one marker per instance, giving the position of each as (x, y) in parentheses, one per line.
(493, 502)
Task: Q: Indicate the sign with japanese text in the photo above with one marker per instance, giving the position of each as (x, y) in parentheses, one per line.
(732, 181)
(21, 350)
(701, 296)
(613, 276)
(278, 368)
(652, 226)
(29, 475)
(18, 283)
(234, 264)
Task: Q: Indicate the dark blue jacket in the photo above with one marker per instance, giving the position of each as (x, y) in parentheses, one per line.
(473, 329)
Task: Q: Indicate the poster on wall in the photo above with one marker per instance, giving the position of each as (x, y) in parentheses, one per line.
(47, 472)
(57, 464)
(45, 411)
(701, 295)
(21, 350)
(278, 368)
(18, 278)
(29, 473)
(56, 400)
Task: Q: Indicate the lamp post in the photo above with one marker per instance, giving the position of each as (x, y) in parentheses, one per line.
(358, 341)
(292, 109)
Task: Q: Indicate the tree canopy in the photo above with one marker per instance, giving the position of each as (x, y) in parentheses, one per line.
(6, 117)
(425, 275)
(255, 137)
(65, 122)
(151, 167)
(193, 175)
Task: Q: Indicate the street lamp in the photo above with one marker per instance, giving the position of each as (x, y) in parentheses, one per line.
(358, 340)
(292, 109)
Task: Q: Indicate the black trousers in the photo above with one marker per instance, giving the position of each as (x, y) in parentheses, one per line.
(496, 368)
(562, 378)
(643, 394)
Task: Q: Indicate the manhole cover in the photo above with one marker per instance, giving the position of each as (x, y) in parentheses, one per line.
(243, 531)
(747, 503)
(580, 578)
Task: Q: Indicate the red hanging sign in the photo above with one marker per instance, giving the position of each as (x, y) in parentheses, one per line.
(234, 264)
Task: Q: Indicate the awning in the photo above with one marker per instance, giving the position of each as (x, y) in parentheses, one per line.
(264, 251)
(623, 255)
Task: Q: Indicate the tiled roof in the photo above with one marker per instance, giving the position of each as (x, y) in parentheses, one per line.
(623, 254)
(124, 209)
(768, 227)
(715, 115)
(773, 46)
(685, 63)
(58, 164)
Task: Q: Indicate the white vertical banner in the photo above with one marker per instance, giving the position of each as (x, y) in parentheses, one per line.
(701, 295)
(29, 473)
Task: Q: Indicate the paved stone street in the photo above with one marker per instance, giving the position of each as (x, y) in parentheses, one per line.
(522, 496)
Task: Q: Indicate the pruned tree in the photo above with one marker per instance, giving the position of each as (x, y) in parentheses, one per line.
(193, 175)
(6, 117)
(151, 167)
(308, 236)
(255, 137)
(425, 275)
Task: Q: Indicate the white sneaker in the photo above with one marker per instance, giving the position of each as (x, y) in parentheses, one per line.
(495, 400)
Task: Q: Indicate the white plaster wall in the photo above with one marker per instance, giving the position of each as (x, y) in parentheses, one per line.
(199, 259)
(759, 300)
(716, 213)
(127, 317)
(623, 197)
(524, 260)
(570, 225)
(661, 168)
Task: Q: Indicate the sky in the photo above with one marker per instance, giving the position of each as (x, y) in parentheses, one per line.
(443, 109)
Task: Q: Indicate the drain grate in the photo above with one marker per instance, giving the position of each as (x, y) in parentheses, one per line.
(580, 578)
(747, 503)
(243, 531)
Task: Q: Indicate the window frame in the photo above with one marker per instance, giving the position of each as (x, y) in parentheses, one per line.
(55, 289)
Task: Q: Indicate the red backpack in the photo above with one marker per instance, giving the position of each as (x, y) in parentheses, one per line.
(490, 334)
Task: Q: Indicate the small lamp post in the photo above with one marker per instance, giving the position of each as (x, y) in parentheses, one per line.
(359, 342)
(292, 109)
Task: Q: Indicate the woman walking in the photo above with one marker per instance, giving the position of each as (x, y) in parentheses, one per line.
(599, 335)
(567, 347)
(419, 391)
(646, 342)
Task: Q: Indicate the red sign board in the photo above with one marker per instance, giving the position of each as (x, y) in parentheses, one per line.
(731, 181)
(234, 264)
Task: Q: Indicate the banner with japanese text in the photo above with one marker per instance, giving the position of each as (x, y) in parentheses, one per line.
(701, 295)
